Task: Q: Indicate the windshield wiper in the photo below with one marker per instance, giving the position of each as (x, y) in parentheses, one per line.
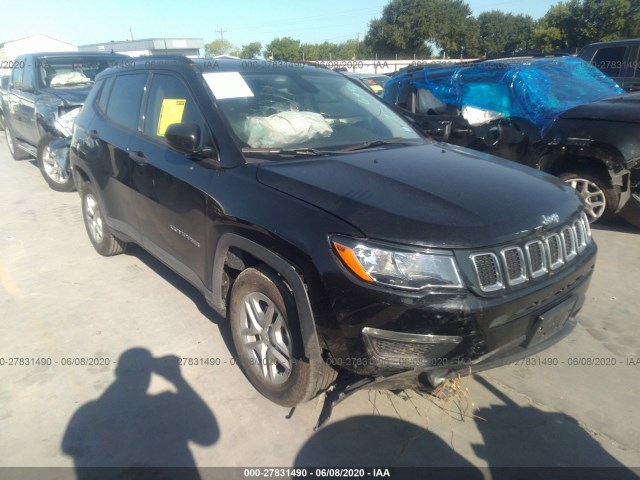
(377, 143)
(312, 152)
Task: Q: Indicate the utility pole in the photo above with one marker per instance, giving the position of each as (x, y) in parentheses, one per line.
(221, 32)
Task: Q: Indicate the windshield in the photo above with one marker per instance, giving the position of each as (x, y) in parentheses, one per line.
(71, 71)
(298, 109)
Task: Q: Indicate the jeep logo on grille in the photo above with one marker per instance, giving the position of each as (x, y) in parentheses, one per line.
(550, 219)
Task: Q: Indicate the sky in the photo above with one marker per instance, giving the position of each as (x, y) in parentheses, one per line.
(242, 21)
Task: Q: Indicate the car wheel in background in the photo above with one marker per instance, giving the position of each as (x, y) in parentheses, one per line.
(600, 197)
(266, 334)
(55, 175)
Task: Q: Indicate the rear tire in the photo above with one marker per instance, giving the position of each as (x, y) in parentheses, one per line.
(600, 197)
(266, 334)
(57, 179)
(12, 143)
(94, 221)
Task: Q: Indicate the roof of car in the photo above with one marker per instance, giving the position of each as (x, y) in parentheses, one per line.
(613, 43)
(209, 65)
(73, 54)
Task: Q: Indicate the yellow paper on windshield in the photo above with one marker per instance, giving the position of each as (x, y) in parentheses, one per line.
(170, 113)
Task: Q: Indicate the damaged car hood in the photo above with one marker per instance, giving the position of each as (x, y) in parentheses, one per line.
(70, 96)
(625, 108)
(430, 195)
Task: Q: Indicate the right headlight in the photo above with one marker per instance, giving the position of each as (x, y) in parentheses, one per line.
(400, 267)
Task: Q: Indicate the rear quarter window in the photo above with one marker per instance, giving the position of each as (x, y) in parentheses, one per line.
(104, 94)
(610, 60)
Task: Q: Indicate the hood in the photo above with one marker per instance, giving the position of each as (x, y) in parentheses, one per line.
(430, 195)
(72, 95)
(624, 108)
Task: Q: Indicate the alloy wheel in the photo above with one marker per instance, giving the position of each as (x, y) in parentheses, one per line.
(52, 169)
(593, 196)
(93, 218)
(266, 338)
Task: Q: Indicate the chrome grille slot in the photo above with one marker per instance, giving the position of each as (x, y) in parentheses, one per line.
(536, 258)
(488, 271)
(516, 272)
(581, 235)
(587, 227)
(554, 251)
(569, 243)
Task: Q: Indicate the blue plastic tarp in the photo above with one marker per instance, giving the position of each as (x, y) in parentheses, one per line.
(537, 89)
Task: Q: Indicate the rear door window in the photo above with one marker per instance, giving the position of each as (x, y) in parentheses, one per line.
(126, 98)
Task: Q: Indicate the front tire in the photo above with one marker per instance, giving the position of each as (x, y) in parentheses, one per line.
(600, 197)
(266, 334)
(94, 221)
(12, 143)
(53, 174)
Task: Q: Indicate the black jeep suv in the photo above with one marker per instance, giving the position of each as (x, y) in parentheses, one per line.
(45, 93)
(557, 113)
(331, 233)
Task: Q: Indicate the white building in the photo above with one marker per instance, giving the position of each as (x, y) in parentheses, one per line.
(189, 47)
(35, 43)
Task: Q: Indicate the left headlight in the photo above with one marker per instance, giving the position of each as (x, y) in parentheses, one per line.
(400, 267)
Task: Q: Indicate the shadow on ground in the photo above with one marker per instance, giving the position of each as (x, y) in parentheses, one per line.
(518, 442)
(128, 428)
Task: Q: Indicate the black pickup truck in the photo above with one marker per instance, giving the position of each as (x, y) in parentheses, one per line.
(45, 92)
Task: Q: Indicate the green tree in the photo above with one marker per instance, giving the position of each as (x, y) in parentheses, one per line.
(284, 49)
(409, 27)
(504, 33)
(320, 51)
(219, 47)
(251, 50)
(571, 25)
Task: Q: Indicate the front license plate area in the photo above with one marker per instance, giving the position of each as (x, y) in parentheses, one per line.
(547, 324)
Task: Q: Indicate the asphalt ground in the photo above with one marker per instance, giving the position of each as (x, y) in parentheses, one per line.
(71, 322)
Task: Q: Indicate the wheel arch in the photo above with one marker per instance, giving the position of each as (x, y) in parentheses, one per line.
(229, 245)
(600, 161)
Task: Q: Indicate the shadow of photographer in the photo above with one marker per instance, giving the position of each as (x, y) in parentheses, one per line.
(127, 428)
(536, 444)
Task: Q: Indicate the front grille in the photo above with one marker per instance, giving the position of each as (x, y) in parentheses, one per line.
(535, 259)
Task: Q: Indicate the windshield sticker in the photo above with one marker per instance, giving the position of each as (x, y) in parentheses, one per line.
(227, 85)
(170, 113)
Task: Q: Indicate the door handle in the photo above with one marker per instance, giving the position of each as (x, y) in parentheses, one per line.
(139, 158)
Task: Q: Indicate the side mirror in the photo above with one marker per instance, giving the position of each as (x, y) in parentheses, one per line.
(183, 136)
